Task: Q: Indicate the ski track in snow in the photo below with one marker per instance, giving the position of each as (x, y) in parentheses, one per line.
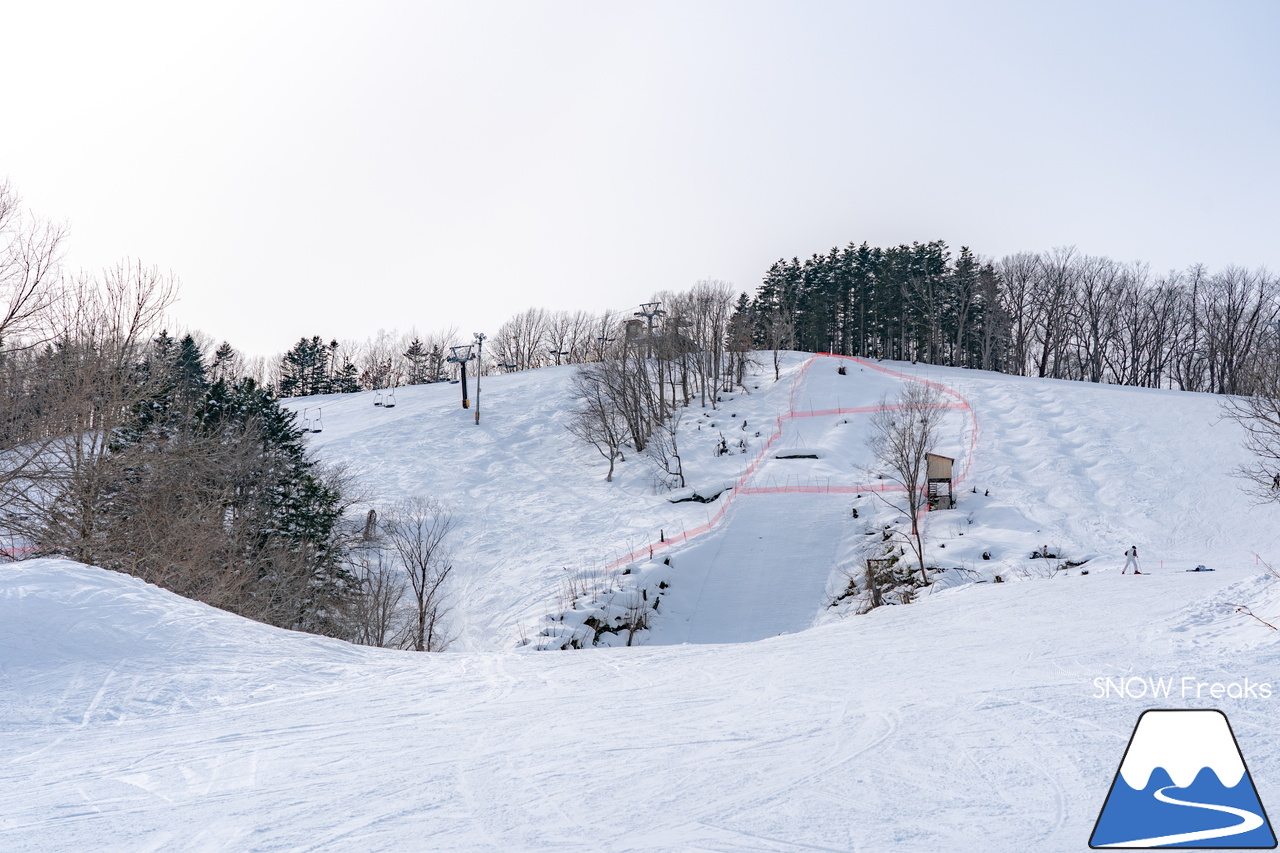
(758, 586)
(134, 720)
(1088, 466)
(964, 722)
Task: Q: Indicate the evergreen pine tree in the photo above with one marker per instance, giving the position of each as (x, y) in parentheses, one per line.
(347, 379)
(305, 369)
(172, 377)
(293, 370)
(435, 365)
(191, 380)
(417, 357)
(224, 359)
(162, 347)
(219, 500)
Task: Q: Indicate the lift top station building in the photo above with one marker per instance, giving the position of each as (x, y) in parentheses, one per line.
(938, 471)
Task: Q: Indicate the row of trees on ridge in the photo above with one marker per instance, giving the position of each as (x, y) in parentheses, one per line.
(1059, 314)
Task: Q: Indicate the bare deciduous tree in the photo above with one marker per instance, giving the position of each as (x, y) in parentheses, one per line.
(605, 329)
(1240, 306)
(1018, 275)
(596, 419)
(1259, 415)
(381, 360)
(55, 476)
(903, 431)
(416, 530)
(521, 341)
(664, 449)
(374, 612)
(557, 336)
(30, 250)
(779, 334)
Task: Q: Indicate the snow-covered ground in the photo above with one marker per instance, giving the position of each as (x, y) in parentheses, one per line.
(971, 720)
(135, 721)
(1086, 470)
(531, 503)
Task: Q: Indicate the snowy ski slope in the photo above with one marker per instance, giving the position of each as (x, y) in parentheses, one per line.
(136, 721)
(531, 503)
(1085, 469)
(968, 721)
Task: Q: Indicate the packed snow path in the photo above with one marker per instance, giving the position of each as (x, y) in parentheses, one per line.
(766, 567)
(766, 574)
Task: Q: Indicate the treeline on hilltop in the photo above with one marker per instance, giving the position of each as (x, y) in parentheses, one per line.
(532, 338)
(1059, 314)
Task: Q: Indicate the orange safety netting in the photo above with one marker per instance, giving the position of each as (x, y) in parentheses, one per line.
(740, 487)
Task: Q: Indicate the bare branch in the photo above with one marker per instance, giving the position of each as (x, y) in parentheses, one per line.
(416, 529)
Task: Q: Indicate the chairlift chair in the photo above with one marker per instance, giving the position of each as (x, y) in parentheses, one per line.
(377, 399)
(318, 424)
(306, 421)
(390, 401)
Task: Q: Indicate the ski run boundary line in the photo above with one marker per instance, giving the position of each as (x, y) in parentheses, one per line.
(740, 486)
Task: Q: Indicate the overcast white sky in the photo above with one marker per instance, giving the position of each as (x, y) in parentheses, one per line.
(319, 168)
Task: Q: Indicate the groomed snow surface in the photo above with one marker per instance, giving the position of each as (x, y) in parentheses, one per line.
(131, 719)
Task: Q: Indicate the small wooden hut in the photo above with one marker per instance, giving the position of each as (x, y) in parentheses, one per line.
(938, 471)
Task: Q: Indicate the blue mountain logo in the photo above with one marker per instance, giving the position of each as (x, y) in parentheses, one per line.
(1183, 783)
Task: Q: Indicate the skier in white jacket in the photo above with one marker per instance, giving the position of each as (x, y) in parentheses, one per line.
(1131, 560)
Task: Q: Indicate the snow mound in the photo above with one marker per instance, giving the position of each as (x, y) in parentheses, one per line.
(83, 644)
